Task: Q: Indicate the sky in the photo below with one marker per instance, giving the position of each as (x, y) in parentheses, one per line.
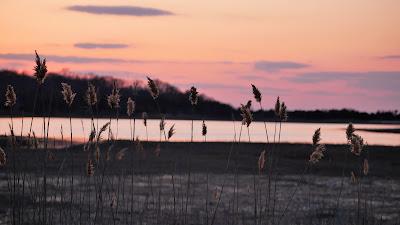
(314, 54)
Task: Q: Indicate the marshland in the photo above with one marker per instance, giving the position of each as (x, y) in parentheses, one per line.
(142, 167)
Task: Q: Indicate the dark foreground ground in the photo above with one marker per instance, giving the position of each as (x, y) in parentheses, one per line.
(384, 161)
(150, 186)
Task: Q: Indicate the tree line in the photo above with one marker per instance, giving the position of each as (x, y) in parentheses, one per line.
(172, 101)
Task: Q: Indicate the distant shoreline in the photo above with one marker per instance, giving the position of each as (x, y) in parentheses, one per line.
(392, 131)
(170, 117)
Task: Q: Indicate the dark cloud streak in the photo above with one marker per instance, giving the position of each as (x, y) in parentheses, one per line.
(100, 45)
(390, 57)
(120, 10)
(67, 59)
(275, 66)
(375, 80)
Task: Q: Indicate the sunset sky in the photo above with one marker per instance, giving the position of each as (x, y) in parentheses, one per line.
(315, 54)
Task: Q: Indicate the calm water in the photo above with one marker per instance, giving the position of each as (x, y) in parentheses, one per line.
(217, 130)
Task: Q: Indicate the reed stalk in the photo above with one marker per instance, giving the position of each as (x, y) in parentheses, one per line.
(11, 100)
(131, 112)
(223, 182)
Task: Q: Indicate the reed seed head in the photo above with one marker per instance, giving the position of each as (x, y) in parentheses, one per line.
(162, 123)
(317, 154)
(283, 112)
(316, 137)
(89, 168)
(356, 144)
(130, 107)
(193, 96)
(355, 141)
(11, 97)
(319, 149)
(171, 131)
(261, 161)
(256, 93)
(246, 115)
(68, 94)
(88, 144)
(91, 95)
(92, 134)
(248, 104)
(204, 129)
(277, 107)
(102, 130)
(114, 98)
(153, 88)
(350, 131)
(3, 157)
(40, 69)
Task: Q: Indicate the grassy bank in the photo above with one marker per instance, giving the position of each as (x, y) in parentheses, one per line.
(160, 185)
(212, 156)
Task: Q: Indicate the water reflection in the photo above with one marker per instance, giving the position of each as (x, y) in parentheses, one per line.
(332, 133)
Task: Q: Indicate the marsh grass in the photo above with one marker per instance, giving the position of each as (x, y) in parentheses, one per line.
(162, 189)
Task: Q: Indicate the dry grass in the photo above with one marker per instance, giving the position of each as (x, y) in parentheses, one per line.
(99, 190)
